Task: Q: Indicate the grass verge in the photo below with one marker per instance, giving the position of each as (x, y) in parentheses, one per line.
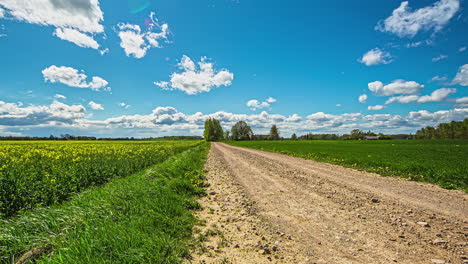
(441, 162)
(142, 218)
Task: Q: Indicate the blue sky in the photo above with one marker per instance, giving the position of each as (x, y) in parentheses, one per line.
(151, 68)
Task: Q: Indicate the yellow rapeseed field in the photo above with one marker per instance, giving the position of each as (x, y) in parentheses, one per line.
(34, 173)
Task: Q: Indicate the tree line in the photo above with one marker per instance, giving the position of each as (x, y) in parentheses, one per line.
(452, 130)
(242, 131)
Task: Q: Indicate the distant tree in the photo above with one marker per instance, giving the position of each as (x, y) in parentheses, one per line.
(213, 130)
(227, 135)
(294, 136)
(357, 134)
(241, 131)
(274, 134)
(452, 130)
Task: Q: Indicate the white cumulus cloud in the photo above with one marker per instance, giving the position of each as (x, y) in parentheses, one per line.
(194, 80)
(136, 43)
(255, 104)
(404, 22)
(73, 78)
(403, 99)
(396, 87)
(462, 76)
(462, 100)
(59, 96)
(95, 106)
(12, 114)
(362, 98)
(71, 18)
(375, 56)
(76, 37)
(375, 107)
(438, 95)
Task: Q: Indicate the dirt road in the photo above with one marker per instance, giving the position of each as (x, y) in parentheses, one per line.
(270, 208)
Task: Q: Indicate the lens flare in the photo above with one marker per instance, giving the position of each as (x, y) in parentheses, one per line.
(136, 6)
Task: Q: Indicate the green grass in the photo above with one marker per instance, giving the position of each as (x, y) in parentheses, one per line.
(142, 218)
(442, 162)
(42, 173)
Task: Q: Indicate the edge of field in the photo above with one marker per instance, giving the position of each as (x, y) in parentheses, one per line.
(143, 218)
(356, 166)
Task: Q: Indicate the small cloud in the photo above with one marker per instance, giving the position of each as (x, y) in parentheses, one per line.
(462, 49)
(438, 78)
(104, 51)
(124, 105)
(95, 106)
(338, 105)
(375, 108)
(414, 44)
(375, 57)
(59, 96)
(255, 104)
(363, 98)
(439, 58)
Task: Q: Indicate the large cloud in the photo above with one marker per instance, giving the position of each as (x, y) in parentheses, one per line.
(136, 43)
(12, 114)
(74, 78)
(407, 23)
(396, 87)
(168, 120)
(194, 80)
(375, 56)
(438, 95)
(72, 18)
(462, 76)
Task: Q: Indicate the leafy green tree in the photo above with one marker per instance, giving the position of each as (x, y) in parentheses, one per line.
(357, 134)
(241, 131)
(452, 130)
(294, 136)
(213, 130)
(274, 134)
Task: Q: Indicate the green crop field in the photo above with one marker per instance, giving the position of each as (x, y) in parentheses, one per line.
(99, 202)
(442, 162)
